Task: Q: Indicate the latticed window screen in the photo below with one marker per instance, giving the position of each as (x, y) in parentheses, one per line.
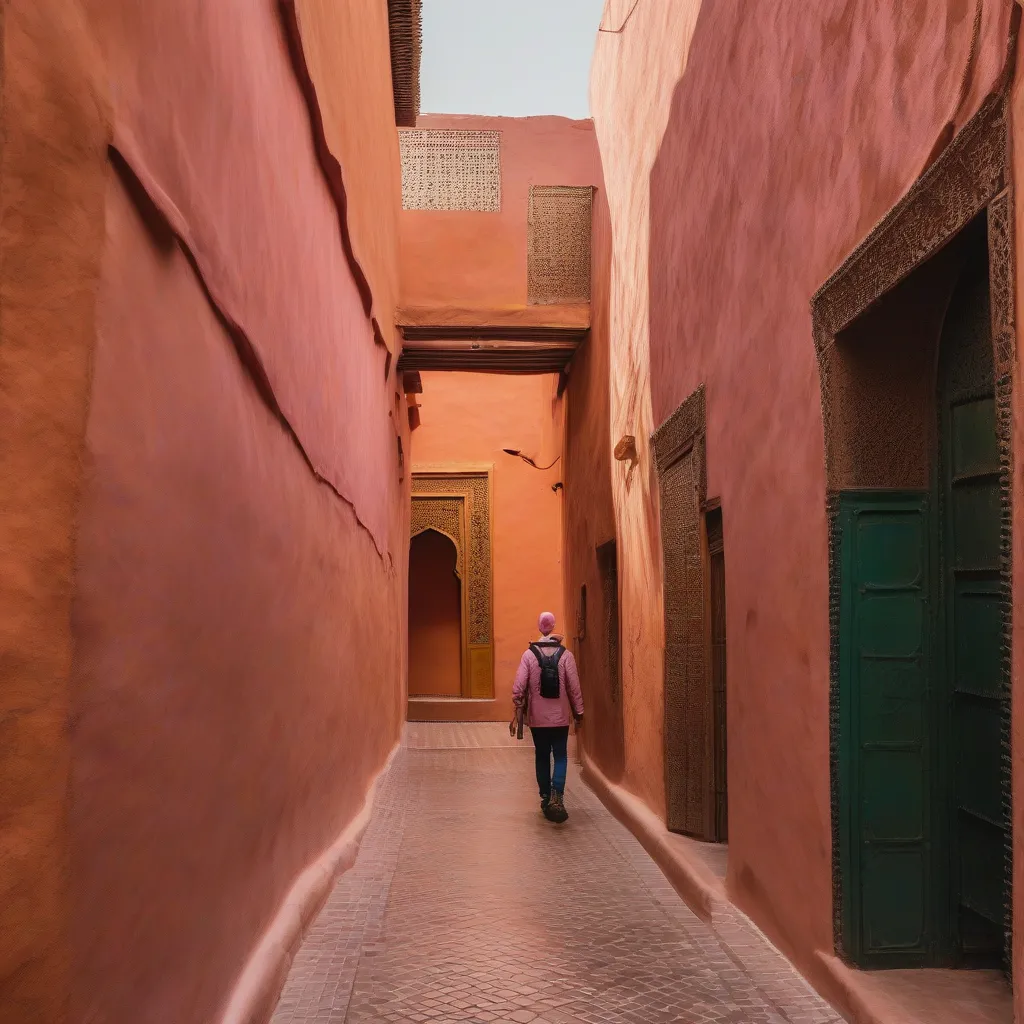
(450, 170)
(558, 247)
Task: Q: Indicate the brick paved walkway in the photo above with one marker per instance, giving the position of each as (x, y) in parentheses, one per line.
(466, 905)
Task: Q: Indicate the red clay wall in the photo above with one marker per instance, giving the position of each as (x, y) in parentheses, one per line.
(636, 64)
(589, 517)
(343, 44)
(467, 419)
(242, 524)
(464, 258)
(435, 617)
(782, 149)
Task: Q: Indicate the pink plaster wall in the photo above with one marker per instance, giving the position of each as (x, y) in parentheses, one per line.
(284, 278)
(244, 519)
(344, 43)
(466, 421)
(589, 511)
(468, 258)
(636, 64)
(783, 147)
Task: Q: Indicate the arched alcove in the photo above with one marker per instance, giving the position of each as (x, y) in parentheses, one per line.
(435, 617)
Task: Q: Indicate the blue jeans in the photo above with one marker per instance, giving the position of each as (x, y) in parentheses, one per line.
(548, 741)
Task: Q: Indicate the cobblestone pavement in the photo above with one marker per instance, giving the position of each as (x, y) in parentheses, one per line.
(466, 905)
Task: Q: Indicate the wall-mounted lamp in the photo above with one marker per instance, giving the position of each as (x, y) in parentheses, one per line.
(625, 450)
(526, 458)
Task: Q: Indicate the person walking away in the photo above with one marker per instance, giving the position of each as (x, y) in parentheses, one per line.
(548, 683)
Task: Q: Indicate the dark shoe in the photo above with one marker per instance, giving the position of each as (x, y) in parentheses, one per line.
(555, 810)
(544, 801)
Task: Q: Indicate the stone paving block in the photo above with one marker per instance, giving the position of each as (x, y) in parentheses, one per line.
(465, 905)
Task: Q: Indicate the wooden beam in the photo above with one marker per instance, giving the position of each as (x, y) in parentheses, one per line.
(493, 332)
(494, 349)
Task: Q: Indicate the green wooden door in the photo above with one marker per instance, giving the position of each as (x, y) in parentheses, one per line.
(973, 610)
(923, 825)
(890, 915)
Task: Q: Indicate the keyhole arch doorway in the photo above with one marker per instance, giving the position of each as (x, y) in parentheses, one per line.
(436, 616)
(457, 505)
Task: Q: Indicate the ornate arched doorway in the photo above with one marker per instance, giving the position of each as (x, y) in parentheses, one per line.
(435, 616)
(456, 506)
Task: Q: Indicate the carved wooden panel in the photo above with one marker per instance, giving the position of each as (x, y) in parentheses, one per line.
(689, 710)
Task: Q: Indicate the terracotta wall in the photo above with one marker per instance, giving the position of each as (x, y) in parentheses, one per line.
(56, 122)
(241, 526)
(589, 518)
(635, 67)
(342, 45)
(740, 168)
(471, 259)
(782, 150)
(467, 419)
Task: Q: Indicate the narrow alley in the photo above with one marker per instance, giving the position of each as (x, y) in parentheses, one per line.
(465, 905)
(382, 379)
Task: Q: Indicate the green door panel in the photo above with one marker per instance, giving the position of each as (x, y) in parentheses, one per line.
(975, 505)
(884, 729)
(978, 639)
(971, 619)
(974, 450)
(979, 761)
(981, 869)
(893, 880)
(892, 707)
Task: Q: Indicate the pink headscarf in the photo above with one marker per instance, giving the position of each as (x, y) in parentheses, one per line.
(546, 623)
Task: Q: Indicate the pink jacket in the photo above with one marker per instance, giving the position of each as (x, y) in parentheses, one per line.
(544, 712)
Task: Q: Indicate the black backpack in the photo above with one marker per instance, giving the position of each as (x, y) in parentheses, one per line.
(550, 686)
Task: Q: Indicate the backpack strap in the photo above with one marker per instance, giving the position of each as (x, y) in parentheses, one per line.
(541, 656)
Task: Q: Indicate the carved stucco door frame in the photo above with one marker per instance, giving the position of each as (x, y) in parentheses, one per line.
(455, 500)
(973, 175)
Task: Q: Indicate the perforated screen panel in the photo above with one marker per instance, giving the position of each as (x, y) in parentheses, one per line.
(450, 170)
(558, 246)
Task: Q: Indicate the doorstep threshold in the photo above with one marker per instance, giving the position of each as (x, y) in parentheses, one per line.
(922, 996)
(452, 700)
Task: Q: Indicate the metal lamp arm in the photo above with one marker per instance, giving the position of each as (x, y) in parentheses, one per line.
(526, 458)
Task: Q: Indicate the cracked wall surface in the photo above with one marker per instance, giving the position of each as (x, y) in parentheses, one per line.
(210, 513)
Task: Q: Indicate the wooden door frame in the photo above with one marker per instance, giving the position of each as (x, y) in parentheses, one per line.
(720, 775)
(970, 176)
